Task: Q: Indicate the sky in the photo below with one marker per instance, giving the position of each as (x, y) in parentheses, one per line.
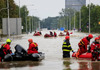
(46, 8)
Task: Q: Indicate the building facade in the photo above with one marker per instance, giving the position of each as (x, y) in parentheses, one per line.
(74, 4)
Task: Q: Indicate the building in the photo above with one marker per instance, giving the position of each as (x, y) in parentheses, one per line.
(15, 26)
(74, 4)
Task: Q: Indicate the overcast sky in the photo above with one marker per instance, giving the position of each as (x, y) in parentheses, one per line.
(45, 8)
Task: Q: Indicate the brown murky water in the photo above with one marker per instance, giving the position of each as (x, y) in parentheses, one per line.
(52, 47)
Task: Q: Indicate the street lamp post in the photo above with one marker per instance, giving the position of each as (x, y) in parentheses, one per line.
(74, 19)
(89, 18)
(39, 25)
(32, 23)
(8, 19)
(19, 8)
(26, 20)
(80, 20)
(67, 21)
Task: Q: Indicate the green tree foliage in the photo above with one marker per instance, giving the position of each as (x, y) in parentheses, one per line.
(13, 9)
(2, 11)
(50, 23)
(95, 18)
(14, 13)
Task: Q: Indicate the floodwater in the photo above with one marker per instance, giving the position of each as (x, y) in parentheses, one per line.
(52, 47)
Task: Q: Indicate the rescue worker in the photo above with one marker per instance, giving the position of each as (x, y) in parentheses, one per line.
(94, 46)
(51, 33)
(55, 34)
(66, 47)
(5, 49)
(67, 33)
(33, 47)
(83, 45)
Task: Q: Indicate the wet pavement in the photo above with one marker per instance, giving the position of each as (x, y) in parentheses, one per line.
(52, 47)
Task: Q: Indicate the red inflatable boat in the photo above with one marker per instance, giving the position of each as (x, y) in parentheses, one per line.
(84, 55)
(47, 35)
(37, 34)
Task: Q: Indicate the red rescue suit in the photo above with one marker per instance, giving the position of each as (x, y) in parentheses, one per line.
(94, 46)
(55, 34)
(83, 45)
(67, 33)
(33, 48)
(6, 48)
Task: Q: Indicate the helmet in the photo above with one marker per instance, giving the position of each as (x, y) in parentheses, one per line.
(90, 36)
(30, 40)
(8, 41)
(67, 37)
(97, 38)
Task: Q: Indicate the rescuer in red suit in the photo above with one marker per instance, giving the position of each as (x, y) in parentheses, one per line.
(67, 33)
(5, 49)
(33, 47)
(84, 42)
(94, 46)
(55, 34)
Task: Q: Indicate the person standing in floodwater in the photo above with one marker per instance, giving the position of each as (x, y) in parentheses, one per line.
(67, 47)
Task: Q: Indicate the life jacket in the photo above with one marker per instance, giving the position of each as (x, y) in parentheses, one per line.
(84, 42)
(5, 51)
(66, 46)
(81, 43)
(94, 46)
(32, 49)
(36, 46)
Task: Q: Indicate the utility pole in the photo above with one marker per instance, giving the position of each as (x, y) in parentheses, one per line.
(67, 22)
(8, 19)
(39, 25)
(89, 18)
(26, 20)
(32, 23)
(74, 19)
(19, 8)
(80, 20)
(70, 21)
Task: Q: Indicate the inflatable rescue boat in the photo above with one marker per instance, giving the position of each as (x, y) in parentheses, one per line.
(20, 54)
(84, 55)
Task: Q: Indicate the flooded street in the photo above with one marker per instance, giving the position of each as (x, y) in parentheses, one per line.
(52, 47)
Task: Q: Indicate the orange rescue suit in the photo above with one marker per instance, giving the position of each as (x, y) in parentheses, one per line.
(33, 48)
(83, 45)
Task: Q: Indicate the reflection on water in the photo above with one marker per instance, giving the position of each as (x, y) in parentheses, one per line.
(67, 65)
(81, 65)
(5, 65)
